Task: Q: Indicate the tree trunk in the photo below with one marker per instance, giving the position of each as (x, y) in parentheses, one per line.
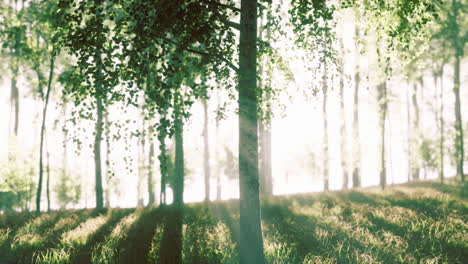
(343, 133)
(382, 99)
(14, 95)
(179, 153)
(251, 240)
(356, 136)
(442, 125)
(218, 167)
(48, 176)
(408, 132)
(65, 137)
(325, 128)
(108, 173)
(41, 144)
(151, 195)
(459, 144)
(206, 160)
(162, 165)
(141, 162)
(416, 132)
(97, 153)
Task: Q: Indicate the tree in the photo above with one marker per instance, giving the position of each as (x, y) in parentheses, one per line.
(206, 150)
(251, 240)
(356, 134)
(343, 133)
(454, 24)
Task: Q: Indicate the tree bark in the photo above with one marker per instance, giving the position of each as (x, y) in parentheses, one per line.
(206, 158)
(408, 132)
(162, 165)
(151, 194)
(325, 128)
(416, 133)
(48, 176)
(356, 134)
(43, 127)
(141, 162)
(65, 137)
(343, 133)
(442, 125)
(458, 48)
(218, 167)
(97, 153)
(251, 240)
(108, 174)
(458, 122)
(382, 98)
(179, 153)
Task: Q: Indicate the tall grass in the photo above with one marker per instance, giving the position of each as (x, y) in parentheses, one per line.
(414, 223)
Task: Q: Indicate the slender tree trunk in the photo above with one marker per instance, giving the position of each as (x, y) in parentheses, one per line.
(97, 153)
(151, 195)
(459, 144)
(408, 132)
(179, 154)
(48, 176)
(266, 179)
(343, 132)
(218, 167)
(162, 165)
(65, 140)
(355, 133)
(416, 132)
(458, 48)
(141, 163)
(43, 127)
(441, 124)
(325, 128)
(14, 95)
(206, 161)
(382, 98)
(108, 173)
(251, 240)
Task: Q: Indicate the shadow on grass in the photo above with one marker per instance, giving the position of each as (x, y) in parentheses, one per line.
(51, 233)
(225, 213)
(421, 245)
(207, 239)
(35, 226)
(137, 244)
(82, 254)
(314, 238)
(171, 244)
(452, 187)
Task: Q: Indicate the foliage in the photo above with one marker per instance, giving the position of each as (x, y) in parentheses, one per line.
(16, 183)
(68, 190)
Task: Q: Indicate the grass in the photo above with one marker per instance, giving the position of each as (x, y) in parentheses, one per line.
(422, 222)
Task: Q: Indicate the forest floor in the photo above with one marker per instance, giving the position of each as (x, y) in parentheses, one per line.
(420, 222)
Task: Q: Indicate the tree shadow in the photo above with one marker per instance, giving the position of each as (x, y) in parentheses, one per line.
(40, 225)
(226, 215)
(421, 244)
(82, 254)
(312, 237)
(171, 244)
(136, 246)
(51, 234)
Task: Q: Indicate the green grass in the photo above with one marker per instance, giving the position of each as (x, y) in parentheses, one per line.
(421, 222)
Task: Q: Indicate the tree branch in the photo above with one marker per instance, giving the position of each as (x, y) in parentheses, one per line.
(228, 63)
(233, 8)
(227, 22)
